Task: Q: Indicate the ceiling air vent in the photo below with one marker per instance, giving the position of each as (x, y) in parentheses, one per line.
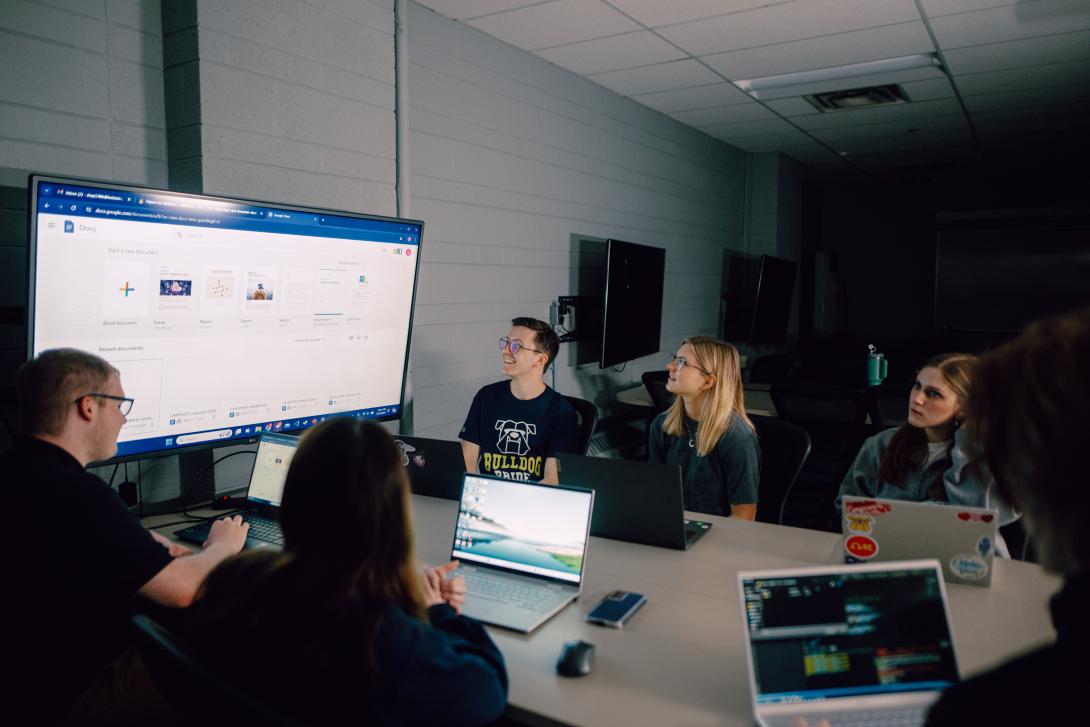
(857, 98)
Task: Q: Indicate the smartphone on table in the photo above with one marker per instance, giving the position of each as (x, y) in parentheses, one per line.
(616, 608)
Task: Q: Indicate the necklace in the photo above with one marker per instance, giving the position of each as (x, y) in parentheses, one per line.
(690, 431)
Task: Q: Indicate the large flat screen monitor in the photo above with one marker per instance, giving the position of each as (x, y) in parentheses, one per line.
(772, 307)
(225, 317)
(632, 319)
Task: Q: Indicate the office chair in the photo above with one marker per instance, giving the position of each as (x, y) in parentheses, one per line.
(784, 449)
(588, 417)
(192, 689)
(835, 417)
(655, 383)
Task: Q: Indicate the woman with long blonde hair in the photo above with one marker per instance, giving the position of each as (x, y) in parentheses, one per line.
(706, 430)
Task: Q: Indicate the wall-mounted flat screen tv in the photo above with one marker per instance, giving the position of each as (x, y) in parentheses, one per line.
(226, 317)
(632, 316)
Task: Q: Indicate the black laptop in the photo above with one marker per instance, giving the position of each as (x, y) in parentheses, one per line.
(635, 501)
(262, 506)
(435, 466)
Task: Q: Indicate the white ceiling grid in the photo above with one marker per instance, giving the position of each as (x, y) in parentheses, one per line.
(1013, 63)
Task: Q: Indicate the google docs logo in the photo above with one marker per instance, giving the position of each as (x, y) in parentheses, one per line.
(69, 226)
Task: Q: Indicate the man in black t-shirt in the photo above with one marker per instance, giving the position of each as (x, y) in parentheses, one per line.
(515, 428)
(74, 557)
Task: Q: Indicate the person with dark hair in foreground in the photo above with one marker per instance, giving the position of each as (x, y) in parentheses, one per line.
(1027, 419)
(75, 558)
(515, 428)
(925, 458)
(342, 622)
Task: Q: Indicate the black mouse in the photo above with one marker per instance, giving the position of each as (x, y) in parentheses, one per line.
(576, 659)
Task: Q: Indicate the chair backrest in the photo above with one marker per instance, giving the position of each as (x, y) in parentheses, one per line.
(588, 417)
(192, 689)
(655, 383)
(784, 449)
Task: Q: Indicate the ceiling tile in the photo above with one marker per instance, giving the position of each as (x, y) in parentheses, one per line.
(466, 9)
(1016, 79)
(743, 129)
(555, 23)
(1016, 53)
(698, 97)
(935, 8)
(653, 13)
(792, 107)
(787, 22)
(1011, 22)
(763, 142)
(664, 76)
(929, 90)
(890, 41)
(891, 129)
(724, 115)
(610, 54)
(1056, 97)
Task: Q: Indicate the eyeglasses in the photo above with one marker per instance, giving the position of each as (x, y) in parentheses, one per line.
(514, 346)
(124, 404)
(681, 363)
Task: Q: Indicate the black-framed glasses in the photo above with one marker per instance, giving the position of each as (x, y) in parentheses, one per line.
(514, 346)
(681, 363)
(124, 403)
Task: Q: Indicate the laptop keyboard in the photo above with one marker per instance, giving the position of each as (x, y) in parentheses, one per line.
(264, 529)
(524, 595)
(906, 717)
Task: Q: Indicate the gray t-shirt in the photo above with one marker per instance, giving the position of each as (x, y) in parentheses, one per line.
(729, 475)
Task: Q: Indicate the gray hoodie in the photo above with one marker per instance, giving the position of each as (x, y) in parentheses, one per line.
(968, 486)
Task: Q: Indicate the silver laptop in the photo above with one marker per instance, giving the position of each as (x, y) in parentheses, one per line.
(859, 644)
(963, 539)
(262, 506)
(522, 548)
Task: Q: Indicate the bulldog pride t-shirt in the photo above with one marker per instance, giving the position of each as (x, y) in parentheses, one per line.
(517, 436)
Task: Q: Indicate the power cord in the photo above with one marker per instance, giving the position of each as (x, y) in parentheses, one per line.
(221, 501)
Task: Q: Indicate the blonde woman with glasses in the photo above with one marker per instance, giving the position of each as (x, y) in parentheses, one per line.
(706, 430)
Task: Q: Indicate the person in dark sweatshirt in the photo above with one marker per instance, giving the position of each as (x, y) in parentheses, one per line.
(1027, 419)
(342, 622)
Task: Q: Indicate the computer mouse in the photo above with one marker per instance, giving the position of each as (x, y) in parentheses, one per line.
(576, 659)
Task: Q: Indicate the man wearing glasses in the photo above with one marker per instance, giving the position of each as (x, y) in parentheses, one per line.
(515, 428)
(75, 557)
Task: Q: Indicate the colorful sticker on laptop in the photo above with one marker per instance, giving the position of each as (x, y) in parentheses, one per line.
(976, 517)
(859, 523)
(418, 460)
(969, 567)
(862, 547)
(867, 507)
(984, 546)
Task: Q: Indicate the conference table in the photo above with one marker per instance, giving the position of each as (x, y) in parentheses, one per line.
(680, 660)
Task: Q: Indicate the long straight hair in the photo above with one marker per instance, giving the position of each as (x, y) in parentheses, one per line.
(724, 401)
(908, 448)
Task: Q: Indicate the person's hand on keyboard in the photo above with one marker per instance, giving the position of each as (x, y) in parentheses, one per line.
(229, 532)
(440, 589)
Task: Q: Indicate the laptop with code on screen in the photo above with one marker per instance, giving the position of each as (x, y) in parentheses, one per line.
(522, 548)
(849, 644)
(262, 506)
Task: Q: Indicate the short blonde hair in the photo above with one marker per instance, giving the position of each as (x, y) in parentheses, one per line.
(47, 385)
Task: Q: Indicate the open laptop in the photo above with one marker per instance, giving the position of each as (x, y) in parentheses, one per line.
(638, 502)
(962, 538)
(860, 644)
(266, 489)
(522, 548)
(435, 466)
